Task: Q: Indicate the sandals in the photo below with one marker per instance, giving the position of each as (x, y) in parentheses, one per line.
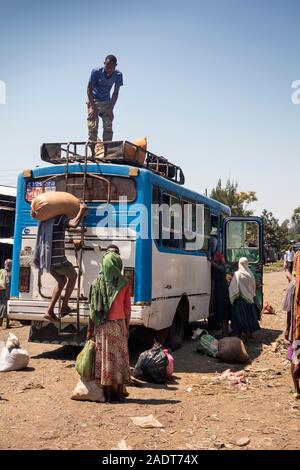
(66, 312)
(51, 318)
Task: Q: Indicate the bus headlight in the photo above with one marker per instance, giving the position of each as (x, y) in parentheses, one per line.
(129, 275)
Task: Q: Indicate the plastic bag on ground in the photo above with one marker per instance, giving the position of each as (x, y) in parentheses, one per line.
(88, 391)
(12, 356)
(232, 351)
(146, 421)
(205, 343)
(152, 365)
(170, 366)
(53, 203)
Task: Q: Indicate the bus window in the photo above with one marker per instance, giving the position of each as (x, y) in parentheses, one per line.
(98, 188)
(242, 240)
(190, 211)
(171, 221)
(156, 222)
(207, 229)
(189, 225)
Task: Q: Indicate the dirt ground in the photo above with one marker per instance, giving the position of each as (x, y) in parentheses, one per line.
(197, 410)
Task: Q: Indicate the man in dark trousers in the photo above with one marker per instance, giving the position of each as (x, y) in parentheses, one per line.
(100, 103)
(50, 254)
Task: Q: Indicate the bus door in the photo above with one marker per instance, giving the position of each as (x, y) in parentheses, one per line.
(243, 236)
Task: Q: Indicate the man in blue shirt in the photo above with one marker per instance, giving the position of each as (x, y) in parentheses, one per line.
(100, 103)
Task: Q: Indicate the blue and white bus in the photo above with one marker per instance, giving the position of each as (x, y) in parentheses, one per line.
(170, 278)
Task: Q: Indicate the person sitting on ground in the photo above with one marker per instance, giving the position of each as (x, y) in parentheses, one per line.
(109, 318)
(242, 291)
(60, 268)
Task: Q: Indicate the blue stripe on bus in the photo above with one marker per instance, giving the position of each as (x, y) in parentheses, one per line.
(17, 238)
(143, 262)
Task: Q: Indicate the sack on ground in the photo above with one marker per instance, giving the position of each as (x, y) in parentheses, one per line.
(85, 361)
(152, 365)
(53, 203)
(205, 343)
(232, 351)
(12, 356)
(88, 391)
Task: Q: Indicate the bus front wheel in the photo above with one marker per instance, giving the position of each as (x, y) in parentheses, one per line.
(176, 333)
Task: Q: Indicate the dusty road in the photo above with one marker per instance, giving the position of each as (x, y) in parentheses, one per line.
(196, 410)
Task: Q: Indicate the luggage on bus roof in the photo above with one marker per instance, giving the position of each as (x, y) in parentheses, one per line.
(121, 151)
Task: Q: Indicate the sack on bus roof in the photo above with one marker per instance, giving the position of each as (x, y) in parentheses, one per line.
(53, 203)
(134, 154)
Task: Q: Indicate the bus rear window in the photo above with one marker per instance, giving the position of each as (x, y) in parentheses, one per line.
(98, 188)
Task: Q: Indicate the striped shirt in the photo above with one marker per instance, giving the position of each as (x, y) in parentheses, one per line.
(58, 241)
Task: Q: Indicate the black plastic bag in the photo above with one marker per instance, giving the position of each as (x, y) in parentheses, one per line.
(152, 365)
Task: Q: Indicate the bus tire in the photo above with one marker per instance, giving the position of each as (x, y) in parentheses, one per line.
(176, 333)
(161, 336)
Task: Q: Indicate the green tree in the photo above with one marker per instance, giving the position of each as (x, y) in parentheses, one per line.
(284, 230)
(237, 201)
(272, 231)
(295, 226)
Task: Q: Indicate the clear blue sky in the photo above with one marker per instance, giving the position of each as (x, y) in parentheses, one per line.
(208, 81)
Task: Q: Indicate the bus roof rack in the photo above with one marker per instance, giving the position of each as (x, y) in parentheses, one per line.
(121, 151)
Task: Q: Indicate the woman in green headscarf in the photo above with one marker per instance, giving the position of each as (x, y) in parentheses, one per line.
(109, 318)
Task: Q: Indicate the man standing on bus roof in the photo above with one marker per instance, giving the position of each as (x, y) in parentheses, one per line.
(100, 103)
(51, 233)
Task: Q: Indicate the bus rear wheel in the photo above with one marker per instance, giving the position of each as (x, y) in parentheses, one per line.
(176, 333)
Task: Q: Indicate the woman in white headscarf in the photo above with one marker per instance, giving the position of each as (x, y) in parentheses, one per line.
(242, 290)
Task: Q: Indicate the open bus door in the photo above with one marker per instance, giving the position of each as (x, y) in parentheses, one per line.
(243, 236)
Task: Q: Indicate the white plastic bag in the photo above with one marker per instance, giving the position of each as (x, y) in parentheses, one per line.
(88, 391)
(12, 356)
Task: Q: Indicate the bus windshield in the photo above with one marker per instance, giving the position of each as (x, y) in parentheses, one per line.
(98, 188)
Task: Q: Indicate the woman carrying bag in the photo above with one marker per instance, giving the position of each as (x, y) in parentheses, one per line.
(109, 318)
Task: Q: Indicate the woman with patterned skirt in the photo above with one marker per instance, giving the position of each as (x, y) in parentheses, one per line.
(109, 318)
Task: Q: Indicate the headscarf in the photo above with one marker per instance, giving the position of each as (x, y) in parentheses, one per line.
(243, 283)
(106, 287)
(218, 257)
(8, 265)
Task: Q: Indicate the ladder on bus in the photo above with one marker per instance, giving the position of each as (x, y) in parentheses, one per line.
(78, 245)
